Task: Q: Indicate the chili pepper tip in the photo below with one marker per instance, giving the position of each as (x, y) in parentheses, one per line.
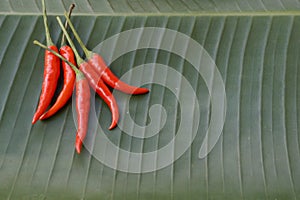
(141, 91)
(78, 144)
(113, 125)
(34, 120)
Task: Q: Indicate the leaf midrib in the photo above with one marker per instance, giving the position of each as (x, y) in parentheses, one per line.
(189, 14)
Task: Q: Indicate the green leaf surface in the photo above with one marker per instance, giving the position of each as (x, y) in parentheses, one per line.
(256, 48)
(95, 7)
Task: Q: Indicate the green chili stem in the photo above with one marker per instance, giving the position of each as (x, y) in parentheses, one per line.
(77, 71)
(78, 58)
(48, 37)
(63, 38)
(87, 53)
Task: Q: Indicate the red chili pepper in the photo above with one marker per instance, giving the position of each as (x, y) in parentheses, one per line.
(51, 73)
(82, 109)
(97, 62)
(69, 80)
(82, 100)
(112, 80)
(95, 82)
(69, 77)
(102, 90)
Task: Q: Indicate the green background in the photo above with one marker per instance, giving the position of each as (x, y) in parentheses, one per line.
(255, 46)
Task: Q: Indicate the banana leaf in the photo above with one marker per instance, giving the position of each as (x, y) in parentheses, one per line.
(252, 47)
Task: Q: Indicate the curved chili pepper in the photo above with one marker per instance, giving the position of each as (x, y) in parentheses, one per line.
(94, 80)
(69, 76)
(82, 100)
(69, 80)
(102, 90)
(51, 73)
(97, 62)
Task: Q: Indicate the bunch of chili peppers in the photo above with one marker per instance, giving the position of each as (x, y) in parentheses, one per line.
(92, 73)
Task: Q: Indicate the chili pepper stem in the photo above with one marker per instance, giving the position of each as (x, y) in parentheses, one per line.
(48, 38)
(77, 71)
(63, 38)
(105, 73)
(78, 58)
(87, 52)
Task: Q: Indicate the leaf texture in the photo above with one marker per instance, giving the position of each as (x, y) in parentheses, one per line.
(94, 7)
(258, 154)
